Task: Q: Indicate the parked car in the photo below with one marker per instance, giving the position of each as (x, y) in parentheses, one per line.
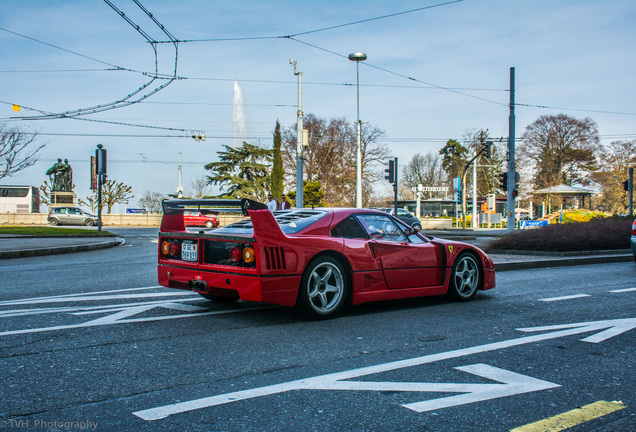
(633, 240)
(70, 216)
(197, 218)
(405, 216)
(318, 260)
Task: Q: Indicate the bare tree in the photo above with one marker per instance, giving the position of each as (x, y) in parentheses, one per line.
(426, 170)
(199, 187)
(151, 201)
(560, 149)
(18, 150)
(615, 161)
(330, 157)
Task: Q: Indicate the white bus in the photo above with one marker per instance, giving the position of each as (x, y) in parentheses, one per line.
(19, 199)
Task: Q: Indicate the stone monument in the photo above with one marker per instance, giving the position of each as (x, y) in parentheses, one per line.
(61, 178)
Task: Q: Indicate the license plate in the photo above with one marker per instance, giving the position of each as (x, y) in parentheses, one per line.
(189, 251)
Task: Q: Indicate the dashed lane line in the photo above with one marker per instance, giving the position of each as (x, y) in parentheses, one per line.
(570, 297)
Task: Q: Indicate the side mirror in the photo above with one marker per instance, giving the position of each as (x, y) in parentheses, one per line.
(412, 230)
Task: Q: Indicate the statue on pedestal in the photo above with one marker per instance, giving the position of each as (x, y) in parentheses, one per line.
(61, 176)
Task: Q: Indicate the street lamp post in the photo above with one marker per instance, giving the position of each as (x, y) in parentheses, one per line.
(358, 57)
(299, 139)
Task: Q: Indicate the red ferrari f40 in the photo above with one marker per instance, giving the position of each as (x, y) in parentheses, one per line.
(317, 260)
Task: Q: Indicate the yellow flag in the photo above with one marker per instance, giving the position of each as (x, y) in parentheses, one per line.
(16, 107)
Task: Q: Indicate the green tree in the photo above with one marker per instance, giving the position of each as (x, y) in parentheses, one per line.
(454, 157)
(277, 167)
(313, 194)
(242, 172)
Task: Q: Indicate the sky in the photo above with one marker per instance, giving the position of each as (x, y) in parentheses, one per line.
(435, 69)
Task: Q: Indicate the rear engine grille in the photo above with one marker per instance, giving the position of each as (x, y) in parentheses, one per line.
(275, 258)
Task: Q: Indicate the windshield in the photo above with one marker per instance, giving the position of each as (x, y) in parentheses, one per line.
(290, 221)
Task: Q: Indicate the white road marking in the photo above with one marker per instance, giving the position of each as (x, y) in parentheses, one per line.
(623, 290)
(611, 328)
(119, 313)
(570, 297)
(20, 301)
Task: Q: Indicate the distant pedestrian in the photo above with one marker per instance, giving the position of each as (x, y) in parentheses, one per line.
(284, 204)
(272, 205)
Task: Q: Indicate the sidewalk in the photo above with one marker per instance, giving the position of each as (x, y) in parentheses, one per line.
(24, 246)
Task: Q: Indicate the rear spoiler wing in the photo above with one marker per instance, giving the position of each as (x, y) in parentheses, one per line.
(172, 219)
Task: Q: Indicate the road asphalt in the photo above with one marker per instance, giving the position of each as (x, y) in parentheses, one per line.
(29, 246)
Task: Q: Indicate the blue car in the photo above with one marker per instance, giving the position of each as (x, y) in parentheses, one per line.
(634, 239)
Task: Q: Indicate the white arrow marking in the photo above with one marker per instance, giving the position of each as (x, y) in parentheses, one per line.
(513, 384)
(522, 384)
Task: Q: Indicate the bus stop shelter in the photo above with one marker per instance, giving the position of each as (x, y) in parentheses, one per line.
(564, 196)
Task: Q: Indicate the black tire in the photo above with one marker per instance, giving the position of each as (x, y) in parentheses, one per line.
(89, 222)
(54, 222)
(465, 278)
(324, 289)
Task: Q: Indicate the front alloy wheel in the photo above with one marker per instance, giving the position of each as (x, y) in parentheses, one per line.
(323, 289)
(465, 278)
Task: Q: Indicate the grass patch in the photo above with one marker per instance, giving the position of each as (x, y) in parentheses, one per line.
(597, 234)
(51, 231)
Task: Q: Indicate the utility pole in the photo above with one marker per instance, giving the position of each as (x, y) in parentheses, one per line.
(180, 187)
(100, 166)
(299, 139)
(631, 192)
(512, 171)
(475, 214)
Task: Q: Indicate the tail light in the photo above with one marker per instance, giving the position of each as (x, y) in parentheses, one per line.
(248, 254)
(634, 228)
(170, 248)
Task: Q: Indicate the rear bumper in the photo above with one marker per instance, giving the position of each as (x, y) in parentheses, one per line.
(280, 290)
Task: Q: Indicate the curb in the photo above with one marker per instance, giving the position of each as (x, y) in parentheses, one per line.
(562, 262)
(60, 249)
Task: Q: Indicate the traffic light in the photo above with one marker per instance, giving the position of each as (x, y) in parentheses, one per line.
(199, 137)
(488, 149)
(503, 181)
(515, 193)
(626, 185)
(391, 172)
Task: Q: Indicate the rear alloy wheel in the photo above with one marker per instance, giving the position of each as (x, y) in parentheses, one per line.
(209, 224)
(465, 278)
(89, 222)
(324, 288)
(54, 222)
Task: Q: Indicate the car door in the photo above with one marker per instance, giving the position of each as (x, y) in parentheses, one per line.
(75, 216)
(62, 216)
(406, 262)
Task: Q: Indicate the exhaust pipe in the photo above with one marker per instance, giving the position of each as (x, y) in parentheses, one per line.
(198, 285)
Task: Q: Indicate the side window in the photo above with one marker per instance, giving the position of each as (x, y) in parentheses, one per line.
(402, 212)
(349, 228)
(381, 227)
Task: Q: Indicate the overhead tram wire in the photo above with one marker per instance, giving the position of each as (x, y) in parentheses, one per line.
(315, 30)
(128, 99)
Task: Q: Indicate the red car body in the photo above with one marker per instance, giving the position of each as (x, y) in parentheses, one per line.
(197, 218)
(320, 254)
